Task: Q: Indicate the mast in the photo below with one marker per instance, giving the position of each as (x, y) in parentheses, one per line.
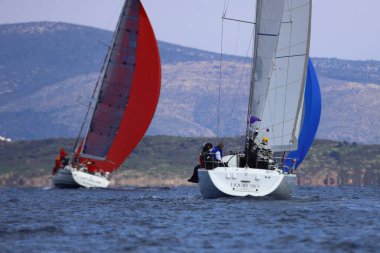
(254, 59)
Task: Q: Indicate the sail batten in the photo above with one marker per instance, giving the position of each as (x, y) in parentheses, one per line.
(290, 56)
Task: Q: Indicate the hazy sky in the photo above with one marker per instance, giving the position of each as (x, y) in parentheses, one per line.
(347, 29)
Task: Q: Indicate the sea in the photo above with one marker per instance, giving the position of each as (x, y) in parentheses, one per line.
(177, 219)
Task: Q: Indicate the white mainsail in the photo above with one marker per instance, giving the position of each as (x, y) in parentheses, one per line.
(284, 102)
(268, 22)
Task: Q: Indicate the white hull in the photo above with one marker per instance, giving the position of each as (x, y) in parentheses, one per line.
(70, 177)
(241, 182)
(64, 179)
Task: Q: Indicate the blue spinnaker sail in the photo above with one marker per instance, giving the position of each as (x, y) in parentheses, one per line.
(312, 114)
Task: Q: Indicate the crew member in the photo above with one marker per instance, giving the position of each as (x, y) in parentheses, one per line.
(264, 142)
(63, 156)
(217, 151)
(58, 165)
(60, 161)
(202, 157)
(91, 167)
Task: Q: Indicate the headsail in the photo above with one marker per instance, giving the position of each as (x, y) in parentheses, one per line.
(282, 111)
(128, 93)
(311, 117)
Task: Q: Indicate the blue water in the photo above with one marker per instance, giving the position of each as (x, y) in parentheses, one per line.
(177, 219)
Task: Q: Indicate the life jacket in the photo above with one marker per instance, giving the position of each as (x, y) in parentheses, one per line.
(58, 163)
(91, 167)
(216, 149)
(62, 153)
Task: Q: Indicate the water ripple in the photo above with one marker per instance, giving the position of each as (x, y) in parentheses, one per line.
(174, 219)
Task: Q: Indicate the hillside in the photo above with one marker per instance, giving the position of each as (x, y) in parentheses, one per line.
(165, 160)
(47, 72)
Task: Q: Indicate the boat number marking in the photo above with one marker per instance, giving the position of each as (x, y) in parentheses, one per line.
(244, 186)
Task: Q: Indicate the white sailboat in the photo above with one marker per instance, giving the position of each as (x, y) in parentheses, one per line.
(276, 108)
(123, 103)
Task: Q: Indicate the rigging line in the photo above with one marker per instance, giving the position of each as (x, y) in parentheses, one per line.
(111, 19)
(280, 86)
(225, 7)
(241, 75)
(235, 53)
(279, 123)
(304, 42)
(237, 40)
(290, 56)
(253, 68)
(220, 80)
(104, 44)
(287, 72)
(90, 106)
(236, 46)
(296, 7)
(272, 114)
(239, 20)
(84, 105)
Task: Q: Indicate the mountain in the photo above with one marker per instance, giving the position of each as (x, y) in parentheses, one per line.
(48, 71)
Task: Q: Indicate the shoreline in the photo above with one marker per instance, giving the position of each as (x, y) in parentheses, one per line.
(18, 181)
(138, 179)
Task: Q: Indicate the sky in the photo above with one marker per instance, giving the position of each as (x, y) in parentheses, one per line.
(346, 29)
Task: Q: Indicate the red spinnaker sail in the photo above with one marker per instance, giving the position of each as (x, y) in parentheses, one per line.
(129, 93)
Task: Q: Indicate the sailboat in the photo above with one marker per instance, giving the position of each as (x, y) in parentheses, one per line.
(123, 104)
(283, 110)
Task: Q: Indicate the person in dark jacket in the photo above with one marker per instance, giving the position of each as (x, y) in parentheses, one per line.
(202, 156)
